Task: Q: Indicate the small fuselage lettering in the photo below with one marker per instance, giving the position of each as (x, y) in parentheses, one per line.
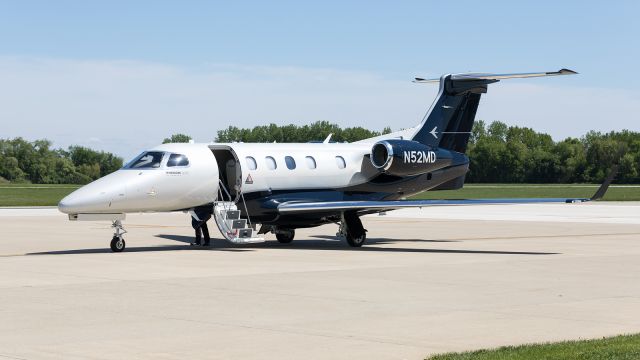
(419, 157)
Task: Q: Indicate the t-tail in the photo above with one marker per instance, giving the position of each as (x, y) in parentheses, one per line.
(449, 121)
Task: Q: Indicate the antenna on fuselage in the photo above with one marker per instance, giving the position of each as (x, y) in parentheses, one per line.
(326, 141)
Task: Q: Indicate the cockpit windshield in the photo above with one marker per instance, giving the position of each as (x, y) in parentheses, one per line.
(177, 160)
(146, 160)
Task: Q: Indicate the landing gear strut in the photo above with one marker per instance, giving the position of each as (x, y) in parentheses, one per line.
(351, 228)
(117, 242)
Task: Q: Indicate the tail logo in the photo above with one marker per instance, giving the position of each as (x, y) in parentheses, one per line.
(435, 133)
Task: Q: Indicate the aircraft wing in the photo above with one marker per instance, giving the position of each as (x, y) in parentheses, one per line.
(302, 207)
(377, 206)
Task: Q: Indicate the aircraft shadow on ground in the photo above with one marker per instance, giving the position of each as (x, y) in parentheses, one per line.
(326, 242)
(319, 242)
(382, 240)
(106, 250)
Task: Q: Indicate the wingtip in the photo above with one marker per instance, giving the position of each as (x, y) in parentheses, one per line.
(420, 80)
(565, 71)
(602, 190)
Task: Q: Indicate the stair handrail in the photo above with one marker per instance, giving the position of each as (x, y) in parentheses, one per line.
(244, 203)
(222, 187)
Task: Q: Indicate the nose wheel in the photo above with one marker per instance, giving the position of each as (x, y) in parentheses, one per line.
(117, 242)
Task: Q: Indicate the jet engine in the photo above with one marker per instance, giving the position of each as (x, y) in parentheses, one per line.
(405, 157)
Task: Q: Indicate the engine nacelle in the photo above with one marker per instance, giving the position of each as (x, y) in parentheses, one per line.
(405, 157)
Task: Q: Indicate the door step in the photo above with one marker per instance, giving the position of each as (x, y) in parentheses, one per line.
(231, 226)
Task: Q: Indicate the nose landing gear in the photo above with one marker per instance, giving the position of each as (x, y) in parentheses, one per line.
(117, 242)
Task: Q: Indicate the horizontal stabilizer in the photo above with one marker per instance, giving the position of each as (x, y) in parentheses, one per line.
(497, 77)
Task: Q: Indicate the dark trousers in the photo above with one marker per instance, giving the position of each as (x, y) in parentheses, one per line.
(201, 228)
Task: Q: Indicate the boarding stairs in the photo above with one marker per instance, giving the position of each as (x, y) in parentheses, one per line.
(227, 216)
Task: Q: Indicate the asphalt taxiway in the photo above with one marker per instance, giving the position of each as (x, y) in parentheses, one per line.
(430, 280)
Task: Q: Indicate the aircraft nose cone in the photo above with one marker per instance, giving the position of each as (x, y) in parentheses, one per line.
(64, 206)
(96, 197)
(84, 200)
(68, 205)
(72, 203)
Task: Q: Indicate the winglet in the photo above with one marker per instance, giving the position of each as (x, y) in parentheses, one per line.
(605, 185)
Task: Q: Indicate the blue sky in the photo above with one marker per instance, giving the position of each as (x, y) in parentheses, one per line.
(196, 66)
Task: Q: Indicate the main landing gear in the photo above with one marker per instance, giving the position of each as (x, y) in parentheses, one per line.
(285, 236)
(117, 242)
(352, 230)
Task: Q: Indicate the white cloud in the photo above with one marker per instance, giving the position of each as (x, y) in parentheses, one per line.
(126, 106)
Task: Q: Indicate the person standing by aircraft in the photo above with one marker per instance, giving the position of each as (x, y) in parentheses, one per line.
(199, 218)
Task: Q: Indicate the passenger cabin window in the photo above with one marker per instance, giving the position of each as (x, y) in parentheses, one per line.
(177, 160)
(271, 163)
(291, 163)
(341, 163)
(311, 162)
(146, 160)
(251, 163)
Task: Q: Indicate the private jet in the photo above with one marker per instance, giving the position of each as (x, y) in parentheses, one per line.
(256, 188)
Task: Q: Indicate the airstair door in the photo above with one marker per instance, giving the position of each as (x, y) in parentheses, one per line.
(226, 209)
(230, 172)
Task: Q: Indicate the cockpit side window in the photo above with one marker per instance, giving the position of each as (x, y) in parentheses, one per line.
(177, 160)
(146, 160)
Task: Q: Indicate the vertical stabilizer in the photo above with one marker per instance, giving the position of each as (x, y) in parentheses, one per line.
(449, 121)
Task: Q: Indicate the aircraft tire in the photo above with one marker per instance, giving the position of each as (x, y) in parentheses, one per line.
(117, 244)
(356, 234)
(286, 237)
(356, 241)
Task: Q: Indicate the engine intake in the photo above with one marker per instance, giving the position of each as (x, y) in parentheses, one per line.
(405, 157)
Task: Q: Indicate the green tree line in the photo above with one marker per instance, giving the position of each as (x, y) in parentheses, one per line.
(513, 154)
(499, 153)
(317, 131)
(36, 162)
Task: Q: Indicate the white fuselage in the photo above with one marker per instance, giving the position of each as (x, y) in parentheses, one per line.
(150, 189)
(169, 188)
(317, 165)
